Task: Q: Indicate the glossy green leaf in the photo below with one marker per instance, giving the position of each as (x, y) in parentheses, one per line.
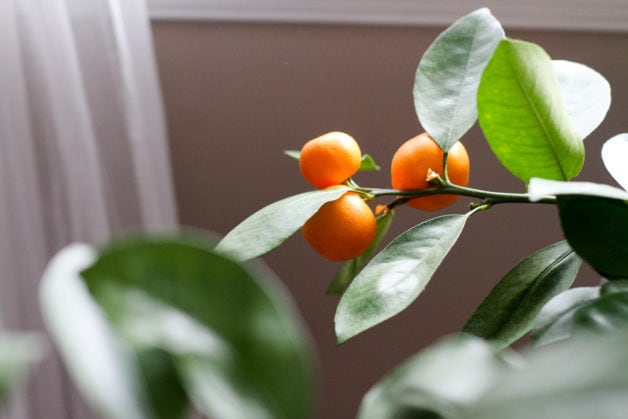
(509, 310)
(555, 319)
(581, 378)
(453, 372)
(448, 75)
(232, 335)
(101, 365)
(19, 352)
(396, 276)
(541, 188)
(523, 116)
(615, 156)
(350, 268)
(597, 229)
(272, 225)
(368, 163)
(586, 94)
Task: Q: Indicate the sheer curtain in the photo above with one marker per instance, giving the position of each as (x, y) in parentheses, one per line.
(83, 154)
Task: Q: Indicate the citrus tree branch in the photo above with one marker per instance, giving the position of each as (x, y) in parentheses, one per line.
(442, 187)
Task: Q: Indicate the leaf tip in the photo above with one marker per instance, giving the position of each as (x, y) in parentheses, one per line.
(342, 327)
(341, 338)
(295, 154)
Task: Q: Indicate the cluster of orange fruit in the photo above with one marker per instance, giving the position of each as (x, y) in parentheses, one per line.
(345, 228)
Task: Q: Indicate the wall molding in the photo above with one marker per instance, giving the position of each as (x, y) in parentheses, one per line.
(587, 15)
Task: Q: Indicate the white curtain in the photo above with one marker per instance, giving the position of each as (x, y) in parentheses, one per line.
(83, 154)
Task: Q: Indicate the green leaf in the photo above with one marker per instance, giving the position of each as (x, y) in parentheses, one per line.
(19, 352)
(101, 365)
(295, 154)
(455, 371)
(597, 229)
(608, 313)
(396, 276)
(577, 379)
(594, 219)
(345, 275)
(582, 378)
(272, 225)
(508, 312)
(159, 334)
(523, 116)
(351, 267)
(448, 75)
(164, 389)
(231, 333)
(586, 94)
(555, 319)
(612, 287)
(540, 188)
(590, 309)
(368, 163)
(615, 155)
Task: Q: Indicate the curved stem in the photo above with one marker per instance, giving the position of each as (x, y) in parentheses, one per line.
(442, 188)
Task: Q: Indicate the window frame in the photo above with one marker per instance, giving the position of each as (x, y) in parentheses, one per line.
(580, 15)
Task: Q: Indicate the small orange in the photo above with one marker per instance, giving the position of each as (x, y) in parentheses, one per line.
(341, 229)
(412, 161)
(330, 159)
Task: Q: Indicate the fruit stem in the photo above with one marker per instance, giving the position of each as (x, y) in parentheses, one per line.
(445, 175)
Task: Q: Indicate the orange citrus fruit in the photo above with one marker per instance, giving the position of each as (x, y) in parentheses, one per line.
(330, 159)
(341, 229)
(413, 160)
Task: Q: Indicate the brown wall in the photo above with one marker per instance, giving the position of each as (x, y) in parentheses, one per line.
(237, 95)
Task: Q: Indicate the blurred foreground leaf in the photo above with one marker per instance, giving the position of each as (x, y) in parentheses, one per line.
(581, 378)
(607, 313)
(455, 371)
(589, 309)
(176, 324)
(100, 364)
(18, 353)
(555, 319)
(461, 377)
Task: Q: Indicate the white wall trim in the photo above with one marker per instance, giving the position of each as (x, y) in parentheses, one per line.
(588, 15)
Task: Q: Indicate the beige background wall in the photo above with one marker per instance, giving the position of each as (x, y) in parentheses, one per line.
(237, 95)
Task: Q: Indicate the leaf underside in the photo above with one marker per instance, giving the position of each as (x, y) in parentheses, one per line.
(523, 116)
